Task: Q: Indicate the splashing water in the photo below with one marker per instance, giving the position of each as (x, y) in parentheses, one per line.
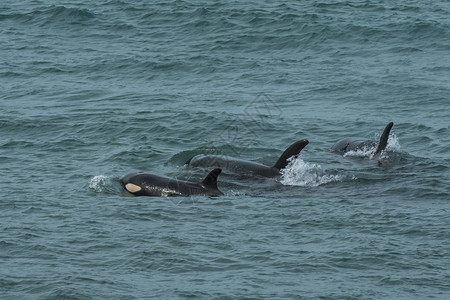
(393, 145)
(99, 183)
(301, 173)
(366, 152)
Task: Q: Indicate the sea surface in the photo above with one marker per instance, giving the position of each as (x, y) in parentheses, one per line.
(93, 90)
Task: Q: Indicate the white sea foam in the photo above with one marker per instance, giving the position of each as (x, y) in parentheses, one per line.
(99, 183)
(393, 145)
(301, 173)
(365, 152)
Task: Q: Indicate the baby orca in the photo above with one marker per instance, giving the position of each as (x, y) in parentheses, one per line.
(153, 185)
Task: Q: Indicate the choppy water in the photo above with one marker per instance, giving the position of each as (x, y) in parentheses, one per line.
(90, 92)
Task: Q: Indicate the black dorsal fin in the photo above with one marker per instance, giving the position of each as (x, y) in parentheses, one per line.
(210, 182)
(384, 138)
(292, 150)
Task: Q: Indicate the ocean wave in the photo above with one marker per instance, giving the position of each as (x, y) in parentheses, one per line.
(52, 15)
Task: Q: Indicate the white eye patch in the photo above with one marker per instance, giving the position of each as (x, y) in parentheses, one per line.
(132, 188)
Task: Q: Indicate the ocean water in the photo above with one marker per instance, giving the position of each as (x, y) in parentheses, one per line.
(93, 91)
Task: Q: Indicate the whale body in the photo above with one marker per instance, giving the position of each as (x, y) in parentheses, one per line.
(244, 167)
(358, 144)
(142, 184)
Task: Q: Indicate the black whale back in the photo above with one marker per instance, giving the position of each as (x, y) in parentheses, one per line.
(354, 144)
(244, 167)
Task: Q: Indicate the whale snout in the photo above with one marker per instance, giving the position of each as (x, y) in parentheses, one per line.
(127, 183)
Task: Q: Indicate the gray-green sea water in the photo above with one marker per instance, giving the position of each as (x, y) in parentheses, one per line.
(91, 91)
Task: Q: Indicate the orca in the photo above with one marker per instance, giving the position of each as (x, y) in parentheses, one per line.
(354, 144)
(244, 167)
(141, 184)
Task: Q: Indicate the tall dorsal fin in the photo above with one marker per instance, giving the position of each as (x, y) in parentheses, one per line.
(210, 181)
(384, 138)
(292, 150)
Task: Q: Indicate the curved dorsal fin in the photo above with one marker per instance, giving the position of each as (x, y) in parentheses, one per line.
(384, 138)
(210, 181)
(292, 150)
